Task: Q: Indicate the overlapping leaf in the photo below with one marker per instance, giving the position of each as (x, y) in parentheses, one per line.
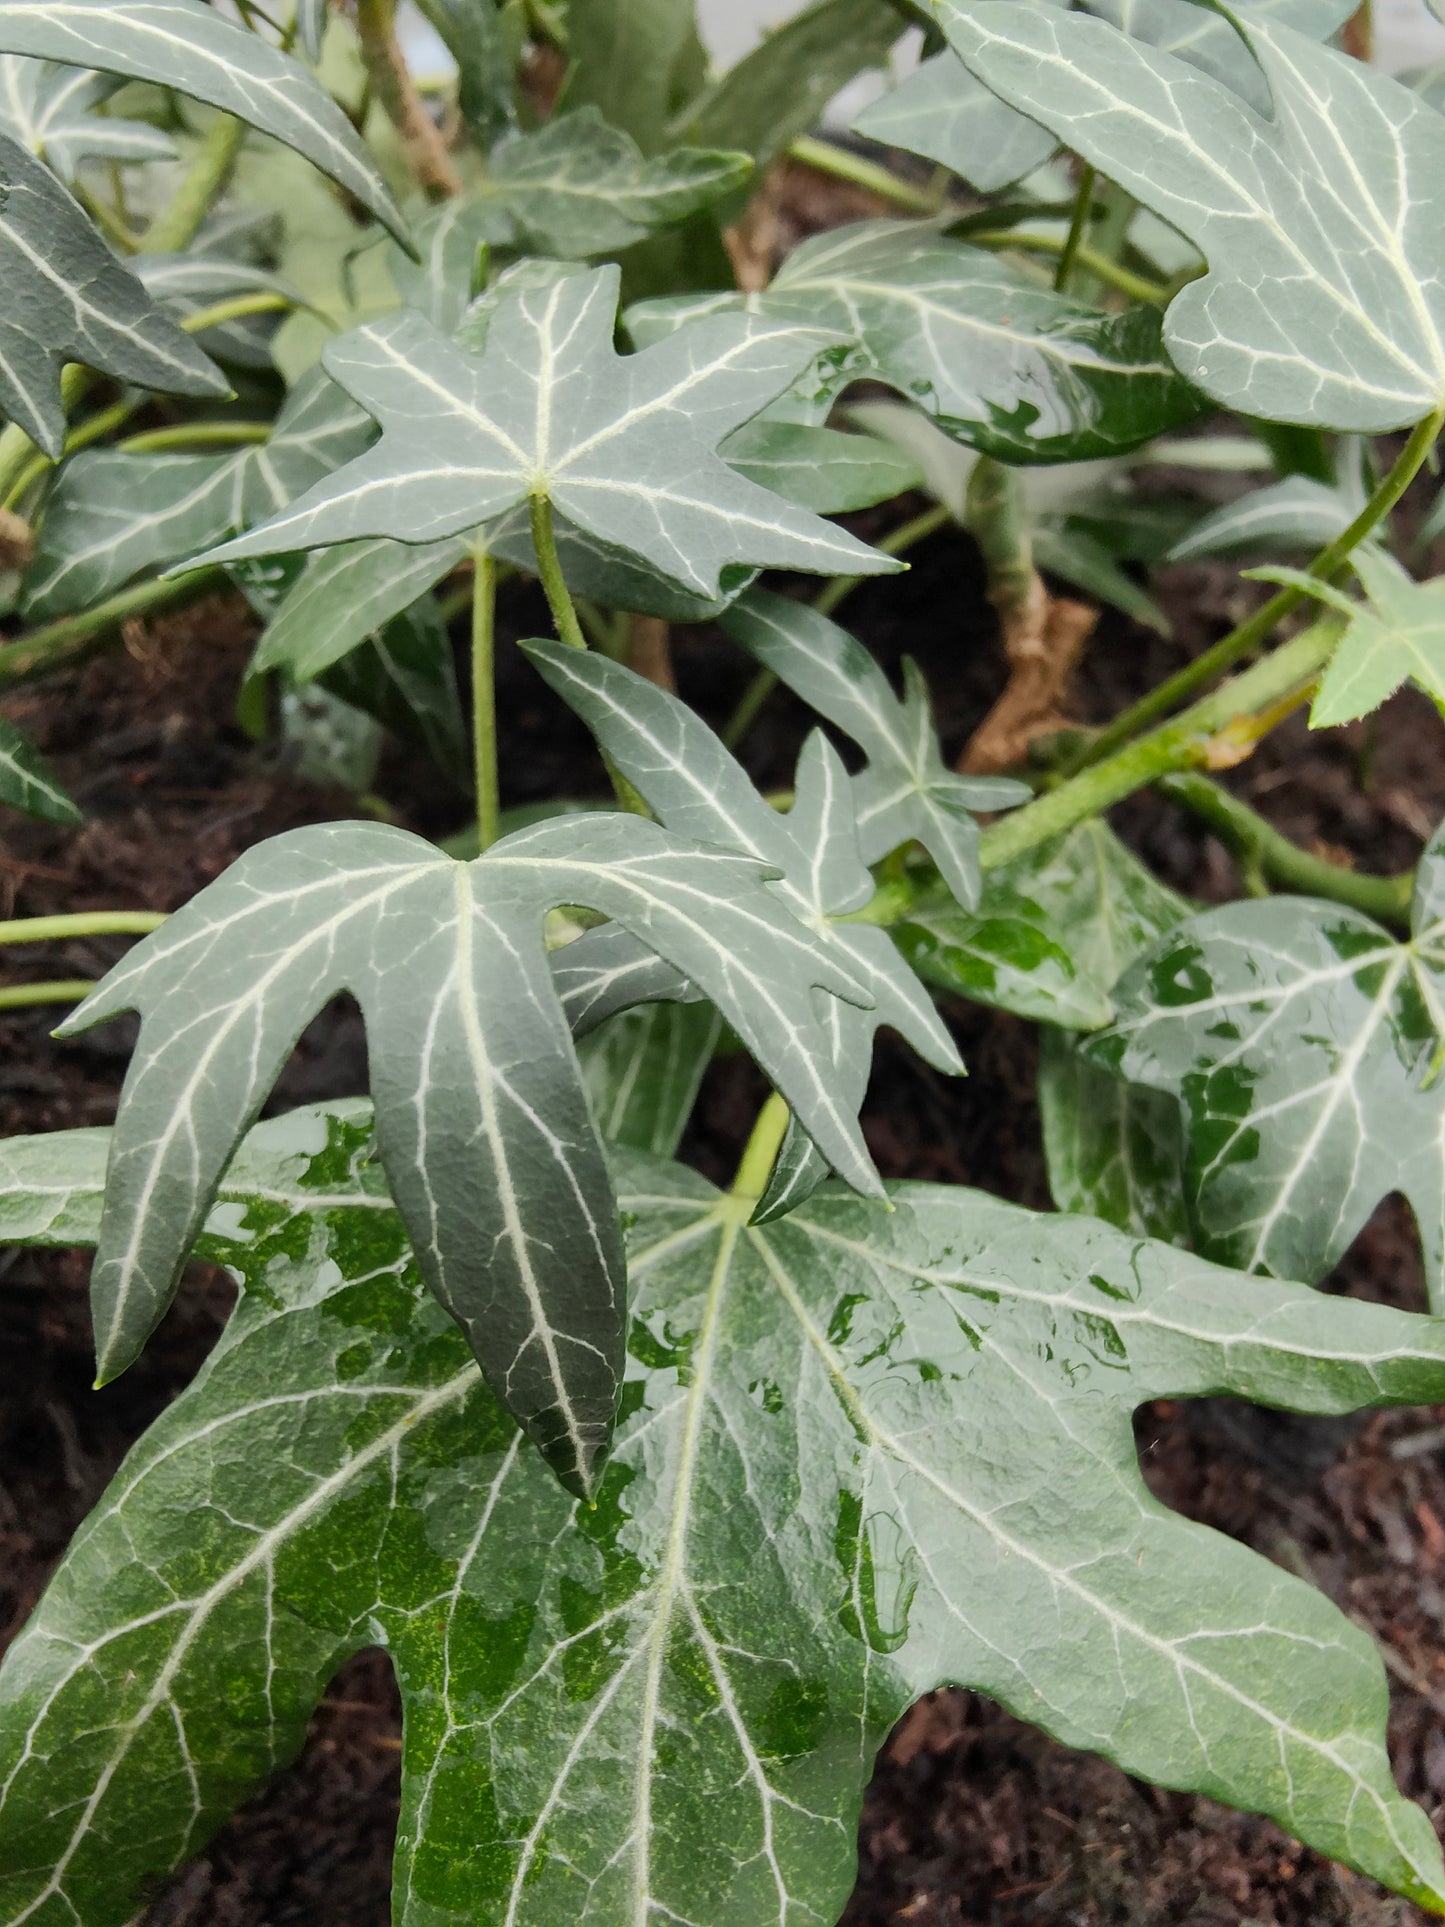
(27, 781)
(1320, 225)
(907, 793)
(643, 1068)
(473, 34)
(945, 114)
(623, 446)
(198, 279)
(999, 362)
(1397, 636)
(1295, 516)
(482, 1120)
(1301, 1043)
(51, 111)
(67, 298)
(636, 62)
(344, 595)
(114, 515)
(695, 786)
(865, 1455)
(196, 50)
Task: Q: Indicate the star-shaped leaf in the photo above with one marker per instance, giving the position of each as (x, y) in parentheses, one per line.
(482, 1120)
(67, 298)
(907, 793)
(1323, 303)
(28, 783)
(1397, 636)
(51, 111)
(999, 362)
(865, 1455)
(697, 788)
(624, 446)
(197, 51)
(1302, 1044)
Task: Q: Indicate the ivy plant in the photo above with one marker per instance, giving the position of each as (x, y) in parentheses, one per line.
(668, 1498)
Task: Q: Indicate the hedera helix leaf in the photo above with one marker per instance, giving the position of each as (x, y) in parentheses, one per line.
(189, 282)
(67, 298)
(624, 446)
(643, 1069)
(199, 52)
(27, 781)
(945, 114)
(113, 515)
(697, 788)
(865, 1455)
(821, 469)
(999, 362)
(1291, 517)
(636, 62)
(51, 111)
(344, 595)
(907, 793)
(1320, 226)
(1398, 635)
(311, 25)
(482, 1121)
(1301, 1043)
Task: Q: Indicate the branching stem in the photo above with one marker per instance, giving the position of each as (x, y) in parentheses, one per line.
(86, 923)
(73, 638)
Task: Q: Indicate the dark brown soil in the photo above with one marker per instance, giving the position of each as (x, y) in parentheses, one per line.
(972, 1817)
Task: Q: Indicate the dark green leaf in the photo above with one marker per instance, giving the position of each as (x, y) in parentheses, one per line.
(28, 783)
(637, 62)
(189, 282)
(486, 92)
(866, 1455)
(820, 468)
(1114, 1150)
(643, 1068)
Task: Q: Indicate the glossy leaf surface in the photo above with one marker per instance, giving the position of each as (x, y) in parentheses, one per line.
(1397, 636)
(907, 793)
(623, 446)
(51, 111)
(865, 1455)
(1322, 303)
(28, 783)
(482, 1121)
(199, 52)
(999, 362)
(67, 298)
(1300, 1041)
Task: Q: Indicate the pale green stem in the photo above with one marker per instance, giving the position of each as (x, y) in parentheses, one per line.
(197, 435)
(844, 165)
(549, 572)
(177, 227)
(1254, 841)
(1110, 272)
(830, 598)
(484, 696)
(85, 923)
(65, 990)
(73, 638)
(762, 1149)
(1078, 226)
(1255, 629)
(93, 429)
(1219, 729)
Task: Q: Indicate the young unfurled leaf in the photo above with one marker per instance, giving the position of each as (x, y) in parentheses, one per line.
(945, 114)
(50, 111)
(623, 446)
(482, 1122)
(27, 782)
(865, 1455)
(1052, 933)
(1398, 635)
(999, 362)
(907, 793)
(1322, 303)
(113, 515)
(67, 298)
(195, 50)
(695, 786)
(1302, 1044)
(643, 1068)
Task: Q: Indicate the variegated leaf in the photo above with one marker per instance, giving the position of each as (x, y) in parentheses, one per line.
(907, 793)
(1320, 225)
(623, 446)
(481, 1118)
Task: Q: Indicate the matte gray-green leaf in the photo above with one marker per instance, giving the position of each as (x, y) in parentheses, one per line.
(907, 793)
(311, 25)
(67, 298)
(624, 446)
(998, 361)
(344, 595)
(189, 282)
(198, 52)
(1320, 225)
(51, 111)
(482, 1120)
(114, 515)
(865, 1455)
(28, 783)
(1300, 1041)
(1295, 516)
